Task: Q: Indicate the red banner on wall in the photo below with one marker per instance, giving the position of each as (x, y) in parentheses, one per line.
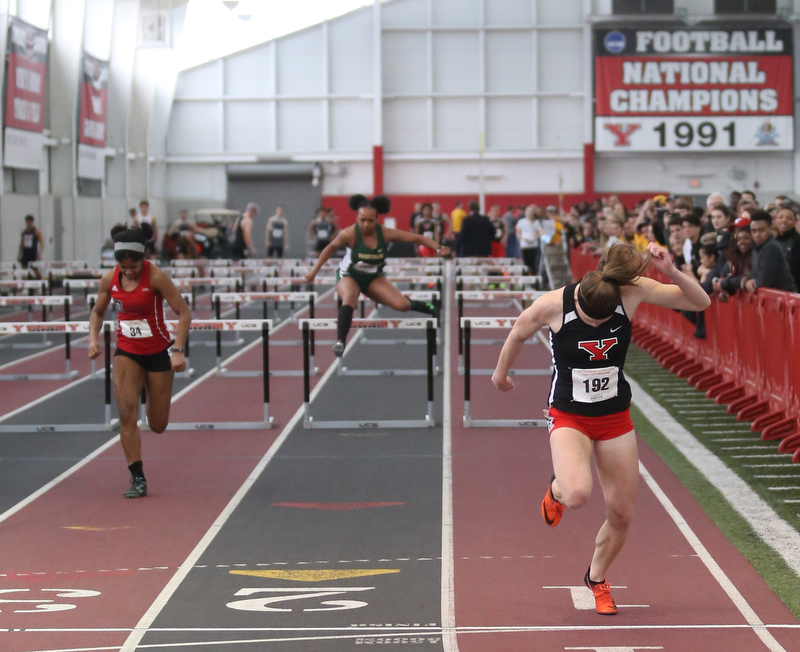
(94, 102)
(27, 76)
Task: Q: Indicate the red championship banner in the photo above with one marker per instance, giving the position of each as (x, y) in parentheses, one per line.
(27, 76)
(704, 88)
(94, 102)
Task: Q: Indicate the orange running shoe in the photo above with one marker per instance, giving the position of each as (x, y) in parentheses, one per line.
(551, 508)
(603, 601)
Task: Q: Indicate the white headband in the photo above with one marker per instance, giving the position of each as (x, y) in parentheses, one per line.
(130, 246)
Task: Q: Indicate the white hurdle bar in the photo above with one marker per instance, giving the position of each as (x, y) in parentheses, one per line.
(468, 323)
(248, 297)
(467, 270)
(309, 325)
(434, 296)
(45, 301)
(490, 279)
(488, 295)
(264, 326)
(108, 423)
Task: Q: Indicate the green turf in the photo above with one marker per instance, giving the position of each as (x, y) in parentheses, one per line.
(781, 579)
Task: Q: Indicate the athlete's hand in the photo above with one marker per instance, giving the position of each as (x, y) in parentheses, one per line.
(503, 383)
(94, 350)
(660, 257)
(310, 276)
(443, 251)
(178, 361)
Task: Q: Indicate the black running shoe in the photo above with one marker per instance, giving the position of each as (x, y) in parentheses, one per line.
(138, 488)
(338, 348)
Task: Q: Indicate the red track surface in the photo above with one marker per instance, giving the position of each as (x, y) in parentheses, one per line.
(505, 554)
(192, 476)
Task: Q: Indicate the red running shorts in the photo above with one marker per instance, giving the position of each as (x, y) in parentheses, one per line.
(595, 428)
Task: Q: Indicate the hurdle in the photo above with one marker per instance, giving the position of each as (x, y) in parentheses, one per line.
(434, 296)
(490, 295)
(72, 327)
(31, 301)
(183, 284)
(309, 325)
(246, 297)
(240, 325)
(466, 270)
(468, 324)
(41, 285)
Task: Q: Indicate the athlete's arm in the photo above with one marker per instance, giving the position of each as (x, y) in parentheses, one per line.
(247, 233)
(163, 284)
(98, 313)
(346, 238)
(685, 294)
(267, 232)
(21, 241)
(41, 244)
(539, 314)
(285, 233)
(395, 235)
(311, 227)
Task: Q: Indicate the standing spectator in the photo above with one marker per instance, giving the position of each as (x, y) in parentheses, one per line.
(631, 234)
(770, 268)
(444, 228)
(477, 233)
(722, 220)
(180, 237)
(321, 230)
(512, 244)
(750, 197)
(691, 246)
(243, 233)
(456, 218)
(529, 233)
(499, 238)
(415, 216)
(144, 217)
(31, 244)
(738, 267)
(277, 234)
(789, 240)
(426, 227)
(684, 206)
(713, 199)
(551, 227)
(614, 230)
(133, 216)
(734, 199)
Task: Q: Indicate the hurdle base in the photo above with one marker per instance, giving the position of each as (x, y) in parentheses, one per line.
(219, 425)
(500, 342)
(227, 373)
(27, 345)
(344, 371)
(63, 427)
(511, 372)
(300, 342)
(367, 425)
(238, 342)
(374, 342)
(65, 376)
(504, 423)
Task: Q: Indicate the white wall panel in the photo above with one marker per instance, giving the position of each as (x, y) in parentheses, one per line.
(248, 127)
(351, 53)
(195, 128)
(717, 172)
(559, 123)
(461, 177)
(457, 13)
(300, 126)
(560, 12)
(89, 232)
(14, 209)
(351, 125)
(187, 181)
(509, 12)
(405, 63)
(509, 62)
(455, 125)
(300, 63)
(405, 13)
(347, 179)
(456, 63)
(560, 61)
(509, 123)
(250, 73)
(405, 125)
(203, 81)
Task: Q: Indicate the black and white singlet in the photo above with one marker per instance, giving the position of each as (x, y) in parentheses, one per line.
(588, 361)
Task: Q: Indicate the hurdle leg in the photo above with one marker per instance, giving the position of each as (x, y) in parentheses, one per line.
(311, 335)
(467, 342)
(431, 333)
(460, 331)
(67, 351)
(265, 362)
(218, 337)
(107, 356)
(306, 379)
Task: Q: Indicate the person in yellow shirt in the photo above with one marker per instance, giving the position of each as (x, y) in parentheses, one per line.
(456, 217)
(631, 235)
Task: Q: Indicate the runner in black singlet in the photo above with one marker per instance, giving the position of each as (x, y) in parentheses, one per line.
(589, 401)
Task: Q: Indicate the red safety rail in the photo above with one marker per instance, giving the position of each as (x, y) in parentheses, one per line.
(747, 361)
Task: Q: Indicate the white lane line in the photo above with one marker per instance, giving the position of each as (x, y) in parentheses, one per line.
(168, 591)
(770, 527)
(760, 447)
(103, 447)
(783, 488)
(449, 639)
(729, 439)
(733, 593)
(770, 466)
(753, 457)
(782, 477)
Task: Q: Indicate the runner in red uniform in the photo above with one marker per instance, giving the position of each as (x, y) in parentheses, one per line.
(142, 358)
(589, 398)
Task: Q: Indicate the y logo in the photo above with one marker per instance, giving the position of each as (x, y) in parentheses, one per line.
(623, 133)
(598, 349)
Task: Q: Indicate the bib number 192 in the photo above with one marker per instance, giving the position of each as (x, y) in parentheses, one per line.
(596, 384)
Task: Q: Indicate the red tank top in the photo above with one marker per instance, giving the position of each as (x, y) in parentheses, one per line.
(140, 314)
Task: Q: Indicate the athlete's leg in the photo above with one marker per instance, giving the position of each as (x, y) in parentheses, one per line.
(383, 292)
(348, 292)
(159, 399)
(128, 383)
(618, 468)
(572, 454)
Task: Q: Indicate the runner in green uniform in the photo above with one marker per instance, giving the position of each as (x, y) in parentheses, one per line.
(361, 269)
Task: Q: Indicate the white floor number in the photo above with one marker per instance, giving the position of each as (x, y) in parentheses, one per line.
(273, 597)
(44, 605)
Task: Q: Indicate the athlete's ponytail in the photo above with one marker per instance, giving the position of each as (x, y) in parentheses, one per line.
(599, 293)
(130, 242)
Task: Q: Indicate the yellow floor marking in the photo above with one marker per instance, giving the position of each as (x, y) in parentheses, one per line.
(315, 575)
(90, 528)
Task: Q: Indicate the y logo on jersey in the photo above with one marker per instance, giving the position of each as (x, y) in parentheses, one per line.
(598, 349)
